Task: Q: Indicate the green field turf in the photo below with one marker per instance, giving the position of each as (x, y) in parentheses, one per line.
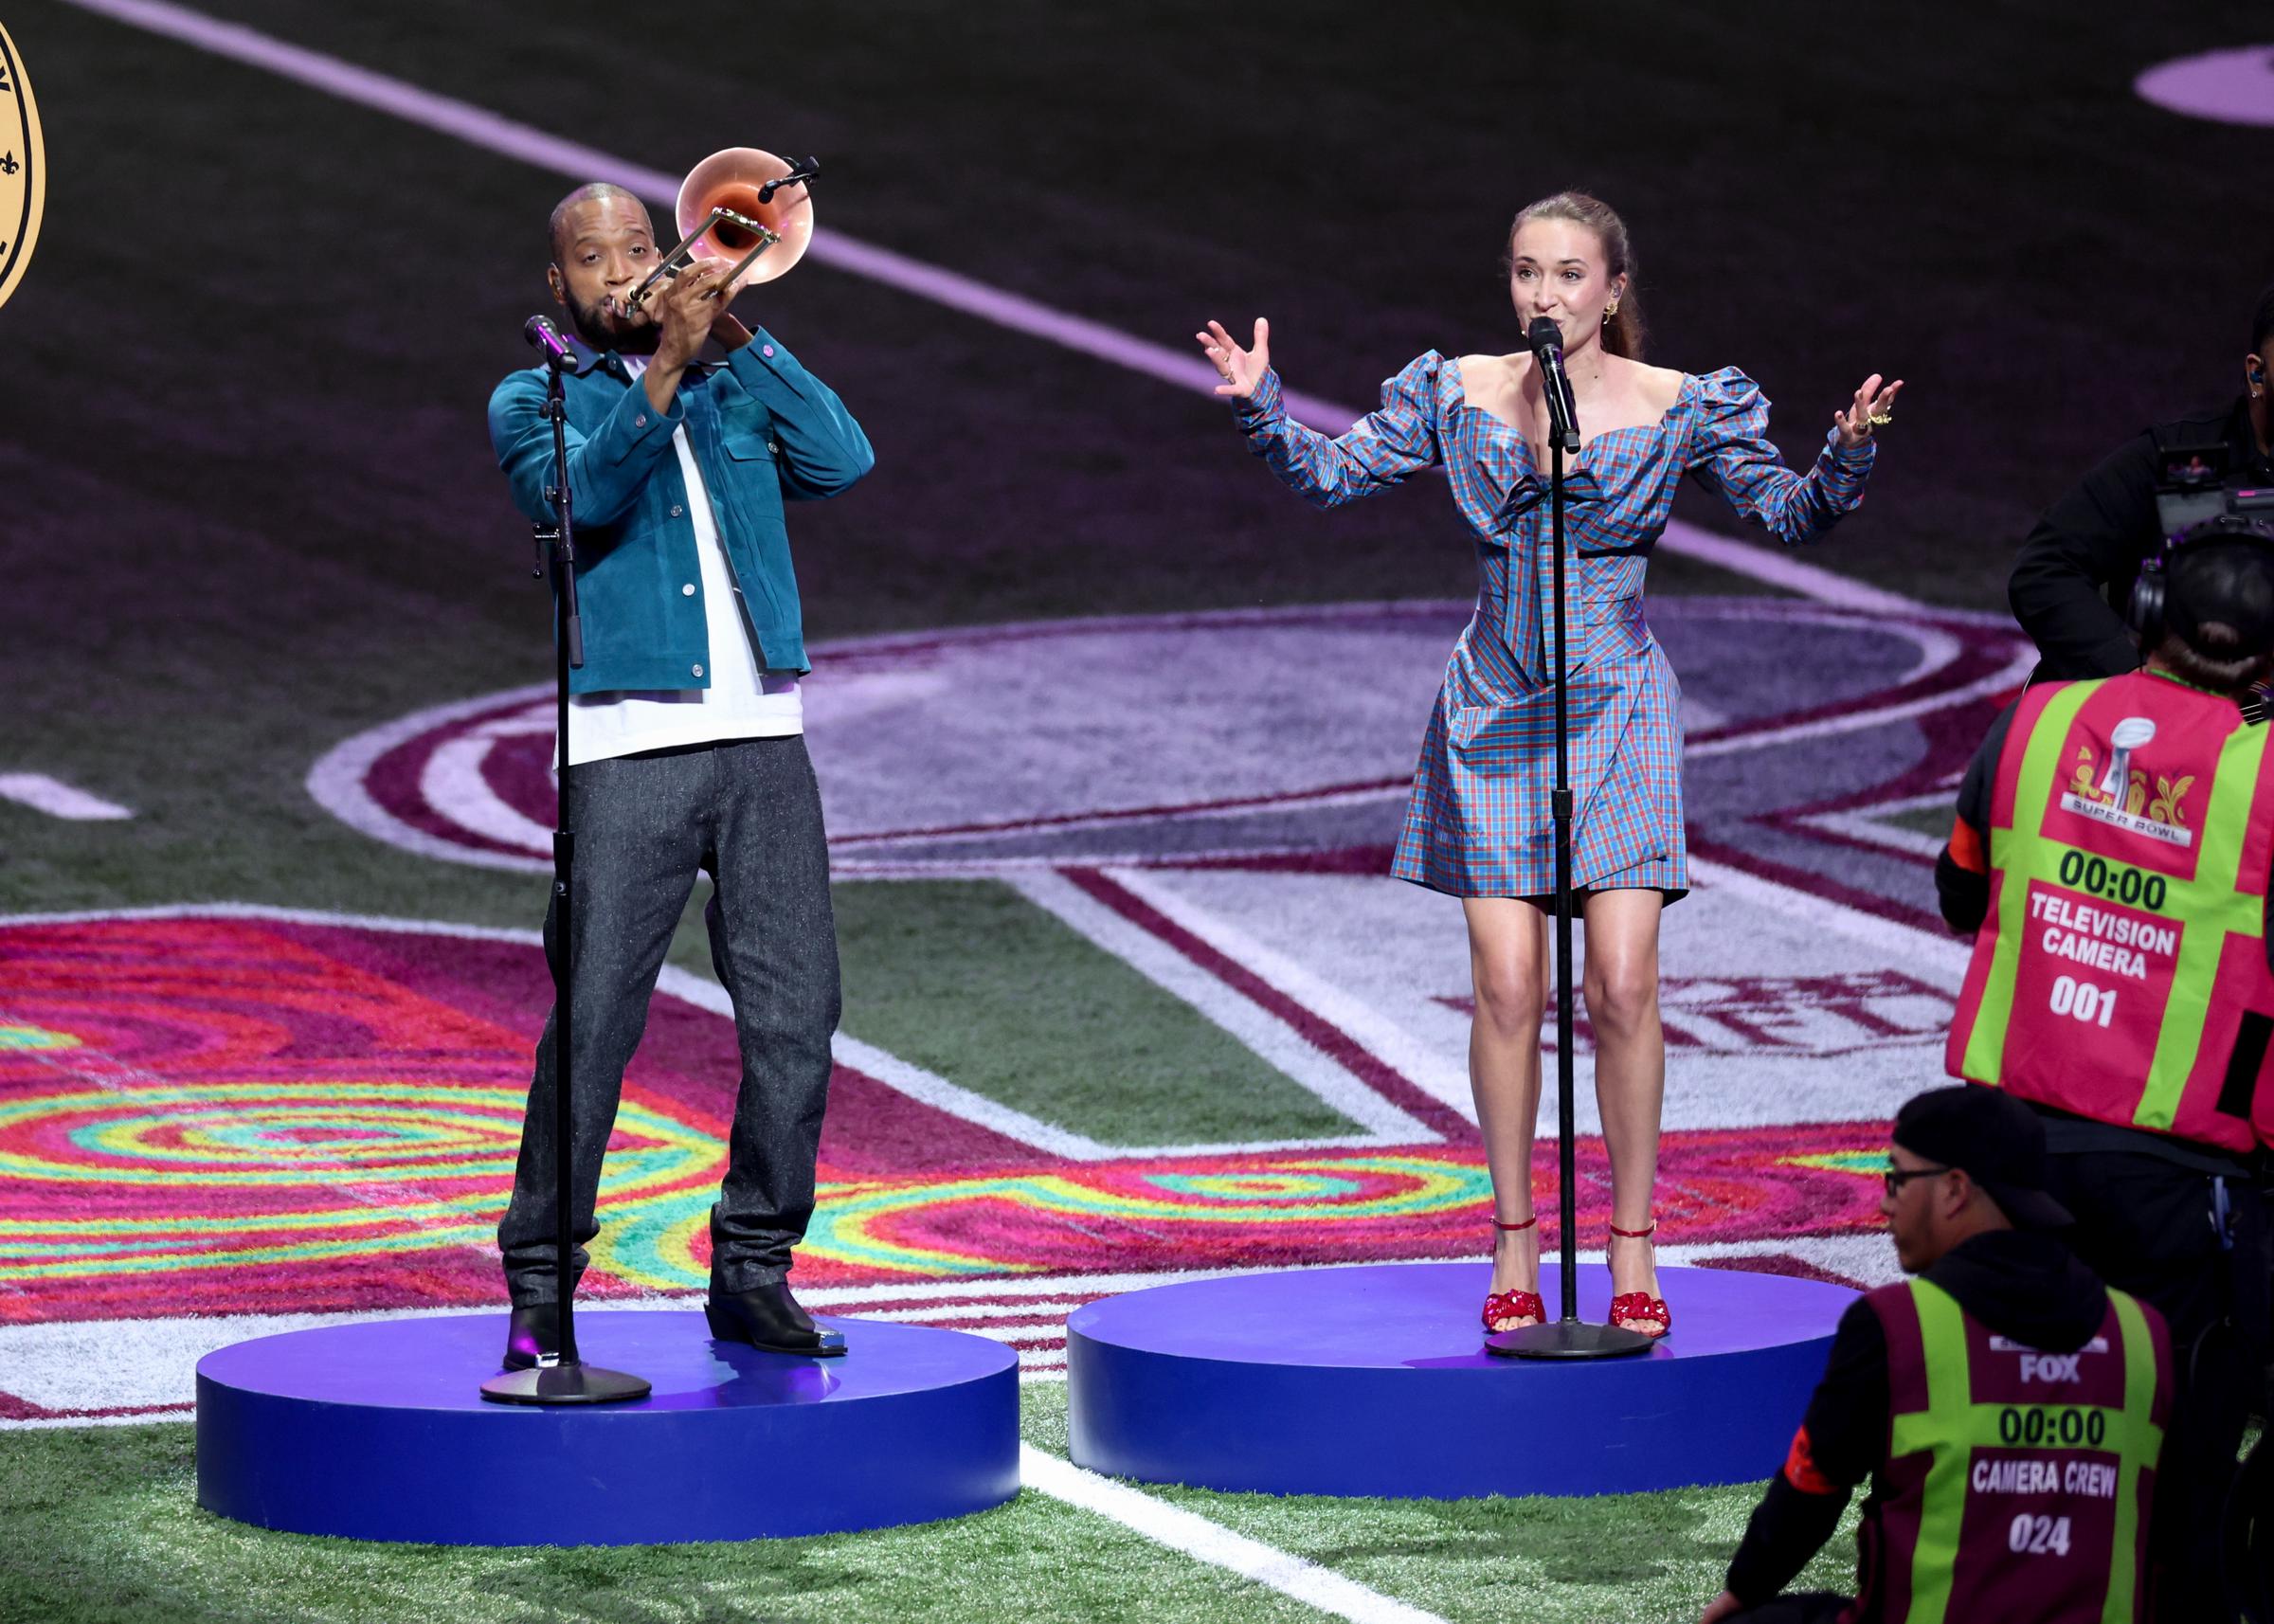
(98, 1525)
(967, 979)
(247, 509)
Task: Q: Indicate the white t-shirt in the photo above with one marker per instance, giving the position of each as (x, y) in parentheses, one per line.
(743, 702)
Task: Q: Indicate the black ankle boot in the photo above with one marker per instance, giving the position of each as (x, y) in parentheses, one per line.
(768, 1317)
(533, 1336)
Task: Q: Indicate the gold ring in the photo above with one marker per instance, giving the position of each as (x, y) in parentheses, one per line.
(1880, 419)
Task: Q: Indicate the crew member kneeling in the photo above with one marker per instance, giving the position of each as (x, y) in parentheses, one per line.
(2112, 845)
(2008, 1407)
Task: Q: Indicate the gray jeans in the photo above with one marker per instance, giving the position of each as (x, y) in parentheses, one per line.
(749, 815)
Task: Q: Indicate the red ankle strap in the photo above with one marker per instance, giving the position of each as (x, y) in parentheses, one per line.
(1526, 1224)
(1648, 1230)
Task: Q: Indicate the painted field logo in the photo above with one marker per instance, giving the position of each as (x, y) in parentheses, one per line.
(1245, 734)
(256, 1110)
(1207, 802)
(23, 169)
(1823, 1014)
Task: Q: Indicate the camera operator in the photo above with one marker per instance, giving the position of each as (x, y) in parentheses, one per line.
(2084, 554)
(2112, 847)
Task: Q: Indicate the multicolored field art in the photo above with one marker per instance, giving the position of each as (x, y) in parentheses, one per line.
(1156, 1015)
(243, 1114)
(1113, 734)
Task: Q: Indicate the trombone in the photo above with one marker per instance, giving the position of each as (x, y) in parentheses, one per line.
(726, 206)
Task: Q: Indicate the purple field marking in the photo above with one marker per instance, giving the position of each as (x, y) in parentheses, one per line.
(342, 781)
(2229, 87)
(510, 138)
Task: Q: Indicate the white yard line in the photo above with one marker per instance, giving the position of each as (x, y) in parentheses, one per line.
(57, 799)
(2015, 673)
(1196, 1537)
(1261, 1032)
(1863, 824)
(1903, 944)
(1864, 827)
(479, 127)
(1434, 1075)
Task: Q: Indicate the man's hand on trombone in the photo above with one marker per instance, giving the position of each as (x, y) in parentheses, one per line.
(685, 310)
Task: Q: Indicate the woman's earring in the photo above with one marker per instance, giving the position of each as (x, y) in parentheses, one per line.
(1610, 310)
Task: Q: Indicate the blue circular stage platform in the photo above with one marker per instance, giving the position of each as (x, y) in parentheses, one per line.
(1374, 1379)
(377, 1430)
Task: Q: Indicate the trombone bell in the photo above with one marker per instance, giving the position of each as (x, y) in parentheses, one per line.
(734, 180)
(735, 206)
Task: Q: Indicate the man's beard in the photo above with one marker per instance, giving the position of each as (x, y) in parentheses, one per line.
(594, 327)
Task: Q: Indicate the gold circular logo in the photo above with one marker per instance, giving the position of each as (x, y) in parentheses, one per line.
(23, 169)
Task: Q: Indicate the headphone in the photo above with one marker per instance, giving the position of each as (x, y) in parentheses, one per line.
(2144, 614)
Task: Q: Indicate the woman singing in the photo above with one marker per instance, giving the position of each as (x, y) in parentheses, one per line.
(1477, 825)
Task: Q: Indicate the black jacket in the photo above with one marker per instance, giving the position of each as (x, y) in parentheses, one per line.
(2092, 541)
(2023, 1285)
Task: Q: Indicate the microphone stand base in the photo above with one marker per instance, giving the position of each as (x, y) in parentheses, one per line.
(565, 1384)
(1568, 1338)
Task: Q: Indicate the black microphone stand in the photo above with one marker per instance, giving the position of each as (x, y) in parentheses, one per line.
(567, 1379)
(1567, 1337)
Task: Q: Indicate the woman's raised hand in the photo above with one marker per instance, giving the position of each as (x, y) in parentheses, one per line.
(1241, 370)
(1873, 407)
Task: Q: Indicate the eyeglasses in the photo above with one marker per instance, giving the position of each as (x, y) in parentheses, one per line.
(1897, 1177)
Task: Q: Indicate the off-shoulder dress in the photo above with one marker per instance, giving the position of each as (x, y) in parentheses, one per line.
(1478, 823)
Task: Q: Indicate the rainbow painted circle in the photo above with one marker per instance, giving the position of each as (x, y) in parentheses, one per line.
(241, 1134)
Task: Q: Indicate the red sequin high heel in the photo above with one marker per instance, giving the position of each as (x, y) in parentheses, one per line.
(1513, 1305)
(1640, 1305)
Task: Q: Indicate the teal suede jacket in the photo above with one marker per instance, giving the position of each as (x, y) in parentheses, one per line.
(764, 430)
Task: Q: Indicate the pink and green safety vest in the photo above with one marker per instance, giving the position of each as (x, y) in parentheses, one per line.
(2018, 1482)
(2121, 973)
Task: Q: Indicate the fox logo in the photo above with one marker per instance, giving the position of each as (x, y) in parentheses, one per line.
(2051, 1366)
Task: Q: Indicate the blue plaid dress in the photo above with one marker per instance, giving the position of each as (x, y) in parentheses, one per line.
(1478, 822)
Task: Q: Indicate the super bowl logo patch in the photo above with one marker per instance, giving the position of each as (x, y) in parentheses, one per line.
(23, 169)
(2127, 795)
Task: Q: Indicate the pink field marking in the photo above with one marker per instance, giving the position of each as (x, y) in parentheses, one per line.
(1820, 887)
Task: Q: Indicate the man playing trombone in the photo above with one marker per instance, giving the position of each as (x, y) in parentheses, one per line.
(686, 734)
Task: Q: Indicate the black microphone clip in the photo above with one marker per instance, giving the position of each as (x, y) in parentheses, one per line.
(800, 172)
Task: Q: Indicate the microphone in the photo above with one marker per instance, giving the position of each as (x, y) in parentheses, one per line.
(799, 174)
(548, 343)
(1546, 340)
